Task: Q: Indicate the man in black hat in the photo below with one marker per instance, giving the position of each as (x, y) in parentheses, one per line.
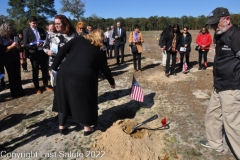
(33, 37)
(224, 105)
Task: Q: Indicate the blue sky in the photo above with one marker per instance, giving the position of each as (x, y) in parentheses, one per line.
(147, 8)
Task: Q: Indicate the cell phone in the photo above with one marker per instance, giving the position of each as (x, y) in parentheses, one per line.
(15, 39)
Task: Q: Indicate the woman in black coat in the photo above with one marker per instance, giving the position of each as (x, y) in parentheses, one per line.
(171, 42)
(11, 60)
(77, 80)
(186, 41)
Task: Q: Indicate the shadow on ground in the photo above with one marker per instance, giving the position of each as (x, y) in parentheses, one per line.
(123, 111)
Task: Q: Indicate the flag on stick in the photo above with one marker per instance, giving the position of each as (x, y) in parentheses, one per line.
(185, 67)
(137, 92)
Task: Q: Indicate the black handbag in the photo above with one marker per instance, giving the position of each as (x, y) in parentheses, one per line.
(134, 48)
(197, 48)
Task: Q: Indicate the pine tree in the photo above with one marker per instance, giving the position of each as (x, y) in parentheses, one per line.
(21, 9)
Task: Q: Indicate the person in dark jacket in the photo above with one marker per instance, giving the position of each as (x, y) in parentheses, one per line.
(160, 43)
(77, 81)
(224, 105)
(2, 51)
(185, 42)
(172, 44)
(36, 53)
(11, 60)
(22, 53)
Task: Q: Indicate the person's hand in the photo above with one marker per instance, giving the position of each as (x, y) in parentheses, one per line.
(50, 72)
(203, 46)
(164, 47)
(50, 53)
(14, 44)
(185, 45)
(113, 86)
(39, 45)
(116, 36)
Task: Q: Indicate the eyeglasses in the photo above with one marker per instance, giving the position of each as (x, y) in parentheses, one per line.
(57, 24)
(184, 30)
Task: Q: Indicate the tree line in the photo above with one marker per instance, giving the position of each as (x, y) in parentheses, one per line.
(20, 10)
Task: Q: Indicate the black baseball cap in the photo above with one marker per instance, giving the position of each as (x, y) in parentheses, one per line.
(216, 14)
(32, 19)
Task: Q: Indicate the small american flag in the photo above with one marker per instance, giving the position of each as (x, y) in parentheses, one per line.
(137, 93)
(185, 67)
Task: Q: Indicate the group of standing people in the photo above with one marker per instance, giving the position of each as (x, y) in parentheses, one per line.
(172, 41)
(115, 39)
(76, 88)
(75, 91)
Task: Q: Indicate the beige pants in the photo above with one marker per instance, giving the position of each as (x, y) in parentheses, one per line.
(224, 110)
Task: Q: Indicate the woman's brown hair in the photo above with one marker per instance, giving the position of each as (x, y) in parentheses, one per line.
(67, 28)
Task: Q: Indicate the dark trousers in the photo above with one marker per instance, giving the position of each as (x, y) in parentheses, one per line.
(204, 53)
(62, 119)
(2, 70)
(111, 48)
(186, 54)
(107, 47)
(116, 51)
(173, 62)
(41, 61)
(137, 60)
(14, 77)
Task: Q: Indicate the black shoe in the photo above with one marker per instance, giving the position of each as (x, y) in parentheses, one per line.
(122, 62)
(200, 68)
(87, 133)
(63, 131)
(204, 68)
(167, 74)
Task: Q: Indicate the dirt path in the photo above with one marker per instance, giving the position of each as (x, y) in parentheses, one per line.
(29, 128)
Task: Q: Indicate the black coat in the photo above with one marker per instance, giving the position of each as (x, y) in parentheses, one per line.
(121, 40)
(167, 41)
(76, 92)
(28, 37)
(188, 41)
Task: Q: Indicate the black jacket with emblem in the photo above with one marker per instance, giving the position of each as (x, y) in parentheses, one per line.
(226, 68)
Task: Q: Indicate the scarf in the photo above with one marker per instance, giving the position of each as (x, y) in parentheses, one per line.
(135, 36)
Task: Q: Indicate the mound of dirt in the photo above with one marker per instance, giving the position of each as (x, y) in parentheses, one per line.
(118, 143)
